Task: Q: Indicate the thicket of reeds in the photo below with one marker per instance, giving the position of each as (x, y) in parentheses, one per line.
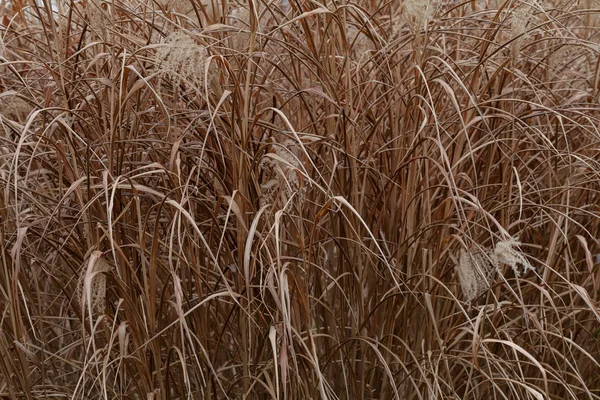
(299, 199)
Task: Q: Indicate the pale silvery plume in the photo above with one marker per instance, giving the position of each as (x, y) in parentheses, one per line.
(418, 12)
(475, 272)
(476, 267)
(181, 58)
(507, 252)
(240, 16)
(520, 17)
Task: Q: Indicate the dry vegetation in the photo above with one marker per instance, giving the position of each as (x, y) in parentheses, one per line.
(302, 200)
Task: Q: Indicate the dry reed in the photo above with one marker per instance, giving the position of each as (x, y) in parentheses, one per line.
(274, 194)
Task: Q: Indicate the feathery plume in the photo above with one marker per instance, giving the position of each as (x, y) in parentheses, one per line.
(506, 252)
(476, 267)
(475, 272)
(182, 58)
(519, 19)
(418, 12)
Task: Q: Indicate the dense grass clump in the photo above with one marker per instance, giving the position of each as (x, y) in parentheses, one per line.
(299, 200)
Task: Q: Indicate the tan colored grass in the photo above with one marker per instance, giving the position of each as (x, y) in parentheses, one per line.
(281, 171)
(284, 225)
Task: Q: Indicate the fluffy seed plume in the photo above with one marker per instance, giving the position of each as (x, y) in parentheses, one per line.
(182, 58)
(418, 12)
(475, 272)
(519, 20)
(507, 252)
(476, 267)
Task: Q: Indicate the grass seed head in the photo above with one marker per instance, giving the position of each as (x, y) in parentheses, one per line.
(507, 252)
(182, 58)
(418, 12)
(520, 17)
(428, 134)
(474, 273)
(476, 267)
(91, 285)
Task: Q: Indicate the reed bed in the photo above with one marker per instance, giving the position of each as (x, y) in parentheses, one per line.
(299, 199)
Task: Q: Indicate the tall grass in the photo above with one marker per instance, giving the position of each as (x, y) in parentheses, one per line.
(298, 200)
